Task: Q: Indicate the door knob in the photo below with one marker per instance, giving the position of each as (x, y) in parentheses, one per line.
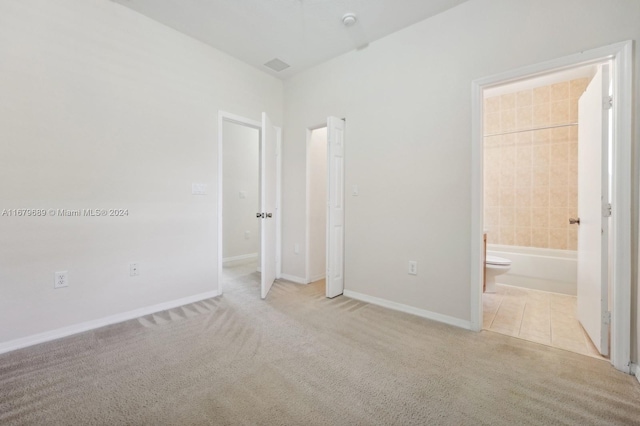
(574, 221)
(269, 214)
(260, 215)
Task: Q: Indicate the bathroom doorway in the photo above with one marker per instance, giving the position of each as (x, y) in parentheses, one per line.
(531, 164)
(526, 167)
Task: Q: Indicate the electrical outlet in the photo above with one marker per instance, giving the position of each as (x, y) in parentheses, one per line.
(134, 270)
(247, 235)
(413, 267)
(61, 279)
(296, 249)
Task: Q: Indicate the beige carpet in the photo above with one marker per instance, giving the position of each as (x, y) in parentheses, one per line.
(301, 359)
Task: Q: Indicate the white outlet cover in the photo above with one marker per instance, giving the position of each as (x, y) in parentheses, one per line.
(242, 194)
(134, 269)
(61, 279)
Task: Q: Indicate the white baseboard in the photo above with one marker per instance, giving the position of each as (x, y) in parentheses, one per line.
(293, 279)
(635, 370)
(409, 309)
(317, 277)
(240, 257)
(47, 336)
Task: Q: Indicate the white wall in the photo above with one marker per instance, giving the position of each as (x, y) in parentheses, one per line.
(407, 103)
(241, 185)
(104, 108)
(318, 204)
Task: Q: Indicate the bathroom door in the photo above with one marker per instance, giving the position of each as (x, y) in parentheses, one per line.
(594, 210)
(335, 207)
(268, 163)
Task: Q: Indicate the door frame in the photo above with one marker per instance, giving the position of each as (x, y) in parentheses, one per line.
(621, 55)
(307, 236)
(307, 258)
(255, 124)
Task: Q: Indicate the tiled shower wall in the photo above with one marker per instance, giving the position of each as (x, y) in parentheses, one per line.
(531, 177)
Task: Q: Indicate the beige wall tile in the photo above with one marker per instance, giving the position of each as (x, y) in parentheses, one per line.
(540, 217)
(492, 217)
(559, 217)
(559, 91)
(572, 237)
(508, 155)
(559, 112)
(524, 98)
(507, 217)
(540, 137)
(559, 135)
(524, 154)
(493, 235)
(491, 123)
(573, 112)
(507, 119)
(541, 95)
(523, 176)
(508, 101)
(541, 114)
(528, 176)
(522, 217)
(572, 199)
(507, 196)
(507, 235)
(540, 237)
(507, 177)
(558, 196)
(523, 197)
(559, 174)
(540, 155)
(492, 104)
(540, 196)
(492, 196)
(577, 87)
(524, 117)
(559, 153)
(558, 238)
(523, 237)
(540, 175)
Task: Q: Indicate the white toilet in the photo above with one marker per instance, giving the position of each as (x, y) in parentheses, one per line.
(495, 266)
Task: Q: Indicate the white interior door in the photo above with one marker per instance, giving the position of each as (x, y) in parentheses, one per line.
(593, 209)
(335, 207)
(268, 170)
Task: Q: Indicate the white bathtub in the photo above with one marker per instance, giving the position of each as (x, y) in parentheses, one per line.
(539, 269)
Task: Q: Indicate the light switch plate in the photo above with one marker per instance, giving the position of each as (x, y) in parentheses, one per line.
(199, 188)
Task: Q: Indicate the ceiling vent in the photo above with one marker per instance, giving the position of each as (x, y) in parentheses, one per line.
(277, 65)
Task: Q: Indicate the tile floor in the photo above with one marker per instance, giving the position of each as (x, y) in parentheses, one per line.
(537, 316)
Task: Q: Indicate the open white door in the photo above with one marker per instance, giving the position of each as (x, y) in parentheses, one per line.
(335, 207)
(594, 209)
(268, 169)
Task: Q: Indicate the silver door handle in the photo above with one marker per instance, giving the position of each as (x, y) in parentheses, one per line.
(269, 214)
(573, 221)
(260, 215)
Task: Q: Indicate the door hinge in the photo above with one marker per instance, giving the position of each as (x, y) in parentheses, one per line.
(606, 317)
(606, 210)
(607, 102)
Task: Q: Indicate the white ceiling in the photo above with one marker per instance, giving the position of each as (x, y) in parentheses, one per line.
(301, 33)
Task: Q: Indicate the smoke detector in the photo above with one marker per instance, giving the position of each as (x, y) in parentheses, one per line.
(349, 19)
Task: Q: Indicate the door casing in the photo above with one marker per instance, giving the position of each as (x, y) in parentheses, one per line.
(621, 55)
(243, 121)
